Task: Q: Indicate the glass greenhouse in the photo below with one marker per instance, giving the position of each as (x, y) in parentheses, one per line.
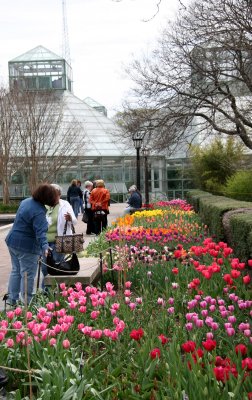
(100, 154)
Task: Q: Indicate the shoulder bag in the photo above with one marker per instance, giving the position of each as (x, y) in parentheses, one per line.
(69, 243)
(69, 266)
(85, 218)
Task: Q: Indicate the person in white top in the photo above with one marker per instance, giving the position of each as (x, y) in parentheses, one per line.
(87, 208)
(56, 218)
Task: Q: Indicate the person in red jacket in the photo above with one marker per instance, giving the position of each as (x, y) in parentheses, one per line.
(99, 200)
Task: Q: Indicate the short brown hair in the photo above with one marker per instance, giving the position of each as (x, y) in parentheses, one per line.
(46, 194)
(74, 182)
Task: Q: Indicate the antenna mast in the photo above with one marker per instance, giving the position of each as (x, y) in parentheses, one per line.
(65, 39)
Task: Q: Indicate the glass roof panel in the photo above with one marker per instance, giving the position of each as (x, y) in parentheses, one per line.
(39, 53)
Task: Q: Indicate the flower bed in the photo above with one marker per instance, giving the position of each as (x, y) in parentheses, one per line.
(178, 324)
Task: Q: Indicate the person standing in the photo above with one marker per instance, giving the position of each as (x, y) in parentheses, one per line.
(99, 199)
(81, 209)
(73, 196)
(27, 240)
(134, 201)
(87, 208)
(56, 218)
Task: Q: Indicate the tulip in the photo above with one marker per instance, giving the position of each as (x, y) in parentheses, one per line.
(65, 344)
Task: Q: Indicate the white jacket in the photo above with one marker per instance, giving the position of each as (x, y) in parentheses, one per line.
(65, 207)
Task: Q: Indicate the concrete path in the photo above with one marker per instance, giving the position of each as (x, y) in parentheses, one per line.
(5, 264)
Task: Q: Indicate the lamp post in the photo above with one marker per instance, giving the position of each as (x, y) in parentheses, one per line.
(146, 153)
(137, 138)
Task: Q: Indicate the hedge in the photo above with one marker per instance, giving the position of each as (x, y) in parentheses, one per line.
(212, 209)
(241, 234)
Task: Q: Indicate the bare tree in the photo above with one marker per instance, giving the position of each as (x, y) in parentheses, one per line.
(10, 143)
(51, 138)
(199, 79)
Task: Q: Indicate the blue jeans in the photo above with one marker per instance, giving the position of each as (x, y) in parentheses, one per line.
(58, 257)
(21, 263)
(75, 203)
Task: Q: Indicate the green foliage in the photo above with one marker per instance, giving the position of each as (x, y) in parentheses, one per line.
(212, 210)
(213, 164)
(193, 197)
(239, 186)
(241, 233)
(9, 208)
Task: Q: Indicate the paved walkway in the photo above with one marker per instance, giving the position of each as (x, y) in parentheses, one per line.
(5, 264)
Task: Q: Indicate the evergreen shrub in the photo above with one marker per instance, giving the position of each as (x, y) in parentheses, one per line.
(239, 186)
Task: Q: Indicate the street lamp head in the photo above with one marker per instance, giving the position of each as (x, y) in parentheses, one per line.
(137, 138)
(146, 151)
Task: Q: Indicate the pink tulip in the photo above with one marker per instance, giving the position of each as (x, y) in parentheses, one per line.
(132, 306)
(96, 334)
(199, 323)
(62, 286)
(189, 326)
(65, 344)
(10, 343)
(18, 311)
(87, 330)
(214, 326)
(230, 331)
(114, 335)
(53, 342)
(10, 314)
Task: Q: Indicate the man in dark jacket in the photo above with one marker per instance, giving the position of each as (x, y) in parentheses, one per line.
(134, 201)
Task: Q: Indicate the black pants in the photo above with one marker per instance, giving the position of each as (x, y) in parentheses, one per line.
(101, 223)
(90, 224)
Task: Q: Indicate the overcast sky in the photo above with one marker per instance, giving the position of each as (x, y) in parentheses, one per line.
(103, 36)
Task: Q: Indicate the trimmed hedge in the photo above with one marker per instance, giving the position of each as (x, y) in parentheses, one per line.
(193, 197)
(211, 210)
(241, 234)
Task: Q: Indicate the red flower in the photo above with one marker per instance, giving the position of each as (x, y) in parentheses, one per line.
(197, 355)
(175, 271)
(163, 339)
(247, 363)
(209, 344)
(250, 396)
(227, 278)
(137, 334)
(221, 373)
(155, 353)
(189, 347)
(241, 348)
(246, 279)
(250, 263)
(235, 274)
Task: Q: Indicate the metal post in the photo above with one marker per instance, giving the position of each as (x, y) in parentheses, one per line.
(138, 168)
(101, 271)
(147, 198)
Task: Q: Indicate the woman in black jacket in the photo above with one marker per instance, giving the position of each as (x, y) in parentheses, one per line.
(73, 196)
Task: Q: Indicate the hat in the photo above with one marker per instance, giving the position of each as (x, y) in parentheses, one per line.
(100, 183)
(132, 188)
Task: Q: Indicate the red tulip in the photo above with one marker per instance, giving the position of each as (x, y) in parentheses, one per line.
(209, 344)
(188, 347)
(155, 353)
(241, 348)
